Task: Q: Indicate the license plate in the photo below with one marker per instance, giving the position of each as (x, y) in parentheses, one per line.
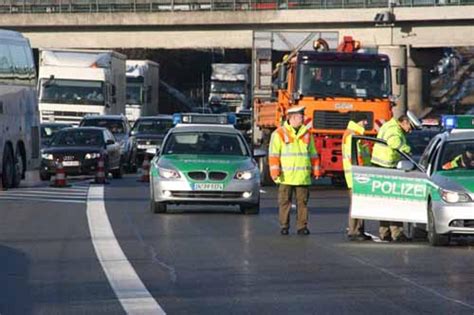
(208, 186)
(71, 163)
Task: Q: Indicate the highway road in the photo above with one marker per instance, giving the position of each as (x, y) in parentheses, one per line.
(90, 249)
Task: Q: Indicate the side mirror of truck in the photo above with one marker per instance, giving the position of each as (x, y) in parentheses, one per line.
(282, 81)
(401, 76)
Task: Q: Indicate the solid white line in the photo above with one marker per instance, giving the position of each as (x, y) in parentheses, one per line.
(43, 192)
(129, 289)
(41, 199)
(75, 197)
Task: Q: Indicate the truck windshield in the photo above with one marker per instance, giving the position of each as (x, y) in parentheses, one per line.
(344, 79)
(72, 92)
(134, 94)
(228, 87)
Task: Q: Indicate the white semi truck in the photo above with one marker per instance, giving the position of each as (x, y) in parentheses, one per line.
(143, 83)
(74, 83)
(230, 85)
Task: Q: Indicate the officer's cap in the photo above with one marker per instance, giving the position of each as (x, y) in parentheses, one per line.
(414, 121)
(296, 110)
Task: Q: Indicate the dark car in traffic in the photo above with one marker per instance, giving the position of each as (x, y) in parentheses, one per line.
(80, 149)
(120, 128)
(48, 130)
(419, 139)
(148, 134)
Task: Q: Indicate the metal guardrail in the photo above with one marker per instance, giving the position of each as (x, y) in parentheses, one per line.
(108, 6)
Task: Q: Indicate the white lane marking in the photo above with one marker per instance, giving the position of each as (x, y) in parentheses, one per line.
(129, 289)
(51, 194)
(23, 198)
(43, 192)
(262, 191)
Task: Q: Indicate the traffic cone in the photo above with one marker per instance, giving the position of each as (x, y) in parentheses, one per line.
(60, 178)
(145, 170)
(100, 173)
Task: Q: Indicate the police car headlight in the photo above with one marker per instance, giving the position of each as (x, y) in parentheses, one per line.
(168, 174)
(244, 175)
(453, 196)
(90, 156)
(47, 156)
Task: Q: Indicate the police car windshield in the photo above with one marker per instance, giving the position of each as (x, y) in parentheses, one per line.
(212, 143)
(457, 155)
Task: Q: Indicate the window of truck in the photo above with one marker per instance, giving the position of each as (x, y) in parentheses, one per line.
(228, 87)
(72, 92)
(354, 79)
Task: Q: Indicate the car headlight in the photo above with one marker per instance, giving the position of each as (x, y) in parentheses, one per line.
(168, 174)
(244, 175)
(89, 156)
(453, 196)
(47, 156)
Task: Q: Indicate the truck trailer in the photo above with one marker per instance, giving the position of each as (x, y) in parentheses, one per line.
(230, 85)
(143, 83)
(74, 83)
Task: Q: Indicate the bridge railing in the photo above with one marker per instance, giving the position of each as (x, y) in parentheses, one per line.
(103, 6)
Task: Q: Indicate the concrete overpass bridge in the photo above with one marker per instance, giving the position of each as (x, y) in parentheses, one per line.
(229, 24)
(402, 30)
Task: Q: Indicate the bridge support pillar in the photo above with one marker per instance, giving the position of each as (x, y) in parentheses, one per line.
(398, 60)
(414, 86)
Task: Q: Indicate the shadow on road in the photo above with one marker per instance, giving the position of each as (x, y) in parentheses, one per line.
(15, 295)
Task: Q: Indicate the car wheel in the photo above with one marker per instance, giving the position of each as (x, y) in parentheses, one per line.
(413, 232)
(250, 209)
(8, 168)
(19, 168)
(265, 178)
(157, 207)
(118, 173)
(45, 176)
(434, 238)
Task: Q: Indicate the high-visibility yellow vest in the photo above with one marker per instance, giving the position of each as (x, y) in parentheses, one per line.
(362, 149)
(454, 163)
(393, 134)
(293, 157)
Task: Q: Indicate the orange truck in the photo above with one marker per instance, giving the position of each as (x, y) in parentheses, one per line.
(333, 86)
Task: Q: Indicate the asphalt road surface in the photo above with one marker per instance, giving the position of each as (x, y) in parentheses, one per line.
(68, 251)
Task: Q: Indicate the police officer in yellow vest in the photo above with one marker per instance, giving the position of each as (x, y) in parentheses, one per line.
(464, 160)
(355, 127)
(293, 159)
(393, 132)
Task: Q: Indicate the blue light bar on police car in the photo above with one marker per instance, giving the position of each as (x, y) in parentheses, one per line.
(450, 122)
(196, 118)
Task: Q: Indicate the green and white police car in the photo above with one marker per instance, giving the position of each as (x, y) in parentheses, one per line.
(204, 160)
(436, 194)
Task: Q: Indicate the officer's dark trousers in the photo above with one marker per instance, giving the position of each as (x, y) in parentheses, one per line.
(285, 194)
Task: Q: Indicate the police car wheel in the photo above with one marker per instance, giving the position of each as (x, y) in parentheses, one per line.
(157, 207)
(434, 238)
(250, 209)
(413, 232)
